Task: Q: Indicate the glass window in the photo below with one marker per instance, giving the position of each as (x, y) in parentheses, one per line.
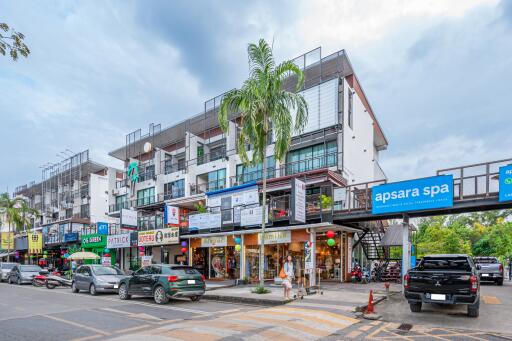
(146, 196)
(217, 180)
(255, 173)
(121, 201)
(174, 189)
(350, 117)
(312, 157)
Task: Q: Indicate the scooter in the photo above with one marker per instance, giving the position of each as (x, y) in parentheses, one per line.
(53, 281)
(40, 280)
(356, 274)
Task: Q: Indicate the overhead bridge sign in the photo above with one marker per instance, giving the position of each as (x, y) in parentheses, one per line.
(413, 195)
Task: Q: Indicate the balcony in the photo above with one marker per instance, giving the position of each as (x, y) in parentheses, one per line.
(121, 183)
(144, 201)
(171, 166)
(175, 194)
(216, 154)
(118, 207)
(207, 186)
(148, 174)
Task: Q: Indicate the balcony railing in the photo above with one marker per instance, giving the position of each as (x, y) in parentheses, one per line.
(208, 186)
(175, 194)
(143, 201)
(117, 207)
(121, 183)
(171, 166)
(147, 175)
(217, 154)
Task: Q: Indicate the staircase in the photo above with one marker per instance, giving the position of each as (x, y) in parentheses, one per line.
(370, 241)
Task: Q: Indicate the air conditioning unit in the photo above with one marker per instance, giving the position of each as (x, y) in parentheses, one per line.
(115, 191)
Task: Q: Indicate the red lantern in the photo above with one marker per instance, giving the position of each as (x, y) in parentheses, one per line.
(142, 253)
(183, 249)
(106, 255)
(330, 234)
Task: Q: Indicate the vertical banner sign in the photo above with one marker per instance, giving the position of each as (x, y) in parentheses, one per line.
(172, 215)
(308, 256)
(7, 240)
(413, 195)
(298, 204)
(102, 228)
(506, 183)
(35, 243)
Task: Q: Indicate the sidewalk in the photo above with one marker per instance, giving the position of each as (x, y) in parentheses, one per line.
(349, 297)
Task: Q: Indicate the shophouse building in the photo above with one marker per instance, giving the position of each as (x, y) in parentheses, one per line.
(189, 178)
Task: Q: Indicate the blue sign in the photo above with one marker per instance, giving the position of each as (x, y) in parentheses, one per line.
(102, 228)
(70, 237)
(506, 183)
(413, 195)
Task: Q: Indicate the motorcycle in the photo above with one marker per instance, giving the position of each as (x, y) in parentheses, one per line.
(40, 280)
(53, 281)
(356, 274)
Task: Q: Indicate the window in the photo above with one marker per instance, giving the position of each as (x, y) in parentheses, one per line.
(312, 157)
(84, 211)
(121, 201)
(146, 196)
(216, 180)
(175, 189)
(350, 109)
(255, 173)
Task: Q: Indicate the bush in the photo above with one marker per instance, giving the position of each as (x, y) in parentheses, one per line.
(260, 290)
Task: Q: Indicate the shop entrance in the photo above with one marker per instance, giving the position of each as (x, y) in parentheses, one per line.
(221, 262)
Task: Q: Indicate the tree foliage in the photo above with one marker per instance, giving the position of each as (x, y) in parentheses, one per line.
(477, 234)
(13, 42)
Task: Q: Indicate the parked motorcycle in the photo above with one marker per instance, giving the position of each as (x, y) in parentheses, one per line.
(356, 274)
(53, 281)
(40, 280)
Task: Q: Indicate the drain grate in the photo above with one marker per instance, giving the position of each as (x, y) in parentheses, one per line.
(405, 327)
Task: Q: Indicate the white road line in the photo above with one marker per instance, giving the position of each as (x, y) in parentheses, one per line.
(98, 331)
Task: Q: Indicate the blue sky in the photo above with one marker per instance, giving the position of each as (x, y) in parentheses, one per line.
(437, 72)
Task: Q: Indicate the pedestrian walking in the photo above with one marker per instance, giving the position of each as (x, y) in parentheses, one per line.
(287, 274)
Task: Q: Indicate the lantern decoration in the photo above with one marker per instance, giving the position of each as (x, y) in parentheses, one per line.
(183, 244)
(238, 247)
(330, 242)
(238, 240)
(106, 255)
(106, 251)
(183, 249)
(330, 234)
(66, 255)
(141, 248)
(141, 253)
(45, 256)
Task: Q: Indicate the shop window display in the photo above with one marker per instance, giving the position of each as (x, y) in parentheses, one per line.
(328, 258)
(273, 258)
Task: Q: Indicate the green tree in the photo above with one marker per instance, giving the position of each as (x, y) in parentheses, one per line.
(12, 41)
(265, 106)
(16, 212)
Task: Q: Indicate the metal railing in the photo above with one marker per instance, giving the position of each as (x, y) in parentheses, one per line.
(358, 197)
(121, 183)
(175, 194)
(144, 201)
(212, 156)
(170, 166)
(207, 186)
(117, 207)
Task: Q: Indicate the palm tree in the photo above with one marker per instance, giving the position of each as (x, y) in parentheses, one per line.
(265, 106)
(17, 213)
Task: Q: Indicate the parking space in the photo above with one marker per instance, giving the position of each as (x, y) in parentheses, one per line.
(495, 312)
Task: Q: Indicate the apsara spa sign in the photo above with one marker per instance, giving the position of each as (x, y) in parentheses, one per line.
(413, 195)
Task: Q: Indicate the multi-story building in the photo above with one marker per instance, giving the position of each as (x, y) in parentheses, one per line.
(193, 167)
(71, 198)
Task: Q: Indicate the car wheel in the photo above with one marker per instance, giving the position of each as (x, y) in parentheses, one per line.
(123, 292)
(92, 290)
(195, 298)
(415, 307)
(74, 289)
(18, 281)
(474, 310)
(160, 296)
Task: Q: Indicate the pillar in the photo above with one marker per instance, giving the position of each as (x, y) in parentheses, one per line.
(406, 248)
(312, 275)
(242, 258)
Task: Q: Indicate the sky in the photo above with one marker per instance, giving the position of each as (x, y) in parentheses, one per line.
(437, 73)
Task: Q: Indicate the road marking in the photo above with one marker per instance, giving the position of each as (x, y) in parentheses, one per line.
(353, 334)
(85, 338)
(320, 305)
(491, 300)
(76, 324)
(366, 327)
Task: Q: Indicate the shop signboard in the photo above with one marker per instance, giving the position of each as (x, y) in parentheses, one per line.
(21, 243)
(252, 216)
(102, 228)
(172, 215)
(128, 218)
(106, 261)
(70, 237)
(35, 243)
(413, 195)
(308, 256)
(134, 238)
(215, 241)
(117, 241)
(204, 221)
(7, 240)
(505, 183)
(94, 240)
(165, 236)
(242, 195)
(146, 260)
(277, 237)
(298, 204)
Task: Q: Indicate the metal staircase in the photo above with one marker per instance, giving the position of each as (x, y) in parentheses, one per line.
(370, 241)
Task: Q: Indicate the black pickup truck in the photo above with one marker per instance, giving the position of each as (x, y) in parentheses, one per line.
(444, 279)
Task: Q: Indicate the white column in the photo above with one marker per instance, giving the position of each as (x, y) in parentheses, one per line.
(406, 248)
(242, 258)
(312, 275)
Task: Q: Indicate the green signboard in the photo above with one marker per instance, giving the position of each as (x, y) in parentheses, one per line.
(94, 241)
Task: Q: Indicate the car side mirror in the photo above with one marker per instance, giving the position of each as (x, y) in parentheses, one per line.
(479, 267)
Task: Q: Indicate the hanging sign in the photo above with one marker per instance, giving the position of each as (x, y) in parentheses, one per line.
(277, 237)
(252, 216)
(298, 204)
(35, 243)
(102, 228)
(308, 256)
(214, 241)
(106, 261)
(128, 218)
(172, 215)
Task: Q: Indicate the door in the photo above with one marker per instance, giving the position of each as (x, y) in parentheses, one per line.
(148, 281)
(136, 281)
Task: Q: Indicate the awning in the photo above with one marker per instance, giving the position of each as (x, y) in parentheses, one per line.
(393, 236)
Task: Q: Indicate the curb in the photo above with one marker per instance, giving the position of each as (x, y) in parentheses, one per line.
(246, 300)
(221, 287)
(362, 308)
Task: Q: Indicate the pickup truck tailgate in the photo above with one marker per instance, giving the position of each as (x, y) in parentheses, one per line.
(437, 282)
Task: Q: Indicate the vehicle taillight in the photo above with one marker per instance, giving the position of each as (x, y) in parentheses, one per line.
(406, 281)
(473, 281)
(501, 268)
(203, 278)
(172, 278)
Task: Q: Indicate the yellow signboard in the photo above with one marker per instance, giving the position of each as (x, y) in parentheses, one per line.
(35, 243)
(7, 240)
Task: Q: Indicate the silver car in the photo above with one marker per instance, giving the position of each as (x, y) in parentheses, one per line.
(5, 268)
(97, 278)
(23, 274)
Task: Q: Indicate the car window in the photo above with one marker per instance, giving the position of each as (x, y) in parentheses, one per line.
(106, 270)
(486, 260)
(154, 270)
(142, 271)
(7, 266)
(445, 264)
(179, 270)
(30, 268)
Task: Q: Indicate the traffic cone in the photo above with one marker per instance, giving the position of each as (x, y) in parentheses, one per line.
(369, 309)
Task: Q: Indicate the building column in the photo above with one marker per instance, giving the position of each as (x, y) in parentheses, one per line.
(406, 248)
(312, 275)
(242, 258)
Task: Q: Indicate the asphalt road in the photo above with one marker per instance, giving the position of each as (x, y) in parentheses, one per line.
(29, 313)
(495, 312)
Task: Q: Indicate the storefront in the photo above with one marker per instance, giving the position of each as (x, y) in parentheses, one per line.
(216, 257)
(162, 245)
(21, 250)
(124, 247)
(97, 243)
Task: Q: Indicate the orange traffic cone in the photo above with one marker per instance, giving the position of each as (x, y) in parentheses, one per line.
(369, 309)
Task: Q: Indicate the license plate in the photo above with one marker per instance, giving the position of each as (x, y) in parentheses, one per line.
(191, 281)
(485, 275)
(438, 297)
(116, 286)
